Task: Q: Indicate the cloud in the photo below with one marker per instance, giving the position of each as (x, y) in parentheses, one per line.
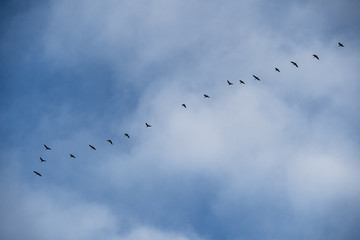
(264, 160)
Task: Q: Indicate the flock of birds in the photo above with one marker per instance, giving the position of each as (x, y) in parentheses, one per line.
(183, 105)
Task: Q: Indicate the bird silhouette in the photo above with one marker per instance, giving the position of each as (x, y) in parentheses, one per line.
(230, 83)
(206, 96)
(147, 125)
(340, 44)
(110, 141)
(46, 147)
(72, 156)
(37, 173)
(241, 82)
(92, 147)
(315, 56)
(42, 160)
(256, 78)
(127, 135)
(294, 63)
(183, 105)
(276, 69)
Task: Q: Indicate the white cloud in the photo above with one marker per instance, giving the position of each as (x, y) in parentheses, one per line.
(284, 141)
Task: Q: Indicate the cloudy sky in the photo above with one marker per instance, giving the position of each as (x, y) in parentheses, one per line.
(272, 159)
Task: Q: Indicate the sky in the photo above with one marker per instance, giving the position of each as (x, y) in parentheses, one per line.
(277, 158)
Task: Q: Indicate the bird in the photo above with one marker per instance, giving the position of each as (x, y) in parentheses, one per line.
(72, 156)
(183, 105)
(46, 147)
(315, 56)
(340, 44)
(110, 141)
(127, 135)
(241, 82)
(37, 173)
(276, 69)
(147, 125)
(92, 147)
(230, 83)
(42, 160)
(294, 63)
(256, 78)
(206, 96)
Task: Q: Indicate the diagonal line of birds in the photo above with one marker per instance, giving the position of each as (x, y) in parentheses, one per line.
(147, 125)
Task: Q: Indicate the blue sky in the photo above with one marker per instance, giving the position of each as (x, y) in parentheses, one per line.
(275, 159)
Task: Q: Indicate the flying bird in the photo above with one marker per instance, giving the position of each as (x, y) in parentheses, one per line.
(241, 82)
(230, 83)
(183, 105)
(42, 160)
(315, 56)
(256, 78)
(340, 44)
(46, 147)
(147, 125)
(37, 173)
(92, 147)
(206, 96)
(276, 69)
(110, 141)
(294, 63)
(127, 135)
(72, 156)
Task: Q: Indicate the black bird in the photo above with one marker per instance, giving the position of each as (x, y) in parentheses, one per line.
(276, 69)
(183, 105)
(72, 156)
(110, 141)
(256, 78)
(92, 147)
(206, 96)
(340, 44)
(127, 135)
(37, 173)
(242, 82)
(147, 125)
(230, 83)
(294, 63)
(42, 160)
(315, 56)
(46, 147)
